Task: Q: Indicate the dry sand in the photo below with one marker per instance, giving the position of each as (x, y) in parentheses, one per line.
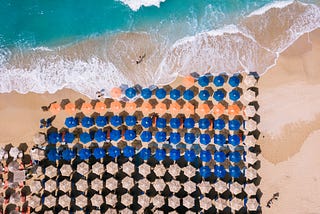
(289, 101)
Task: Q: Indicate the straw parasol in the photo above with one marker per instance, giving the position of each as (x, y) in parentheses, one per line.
(39, 139)
(111, 199)
(251, 173)
(111, 183)
(51, 171)
(116, 107)
(126, 199)
(173, 202)
(189, 171)
(97, 200)
(158, 201)
(220, 204)
(250, 80)
(161, 108)
(220, 186)
(115, 92)
(81, 201)
(112, 168)
(14, 152)
(143, 200)
(64, 201)
(205, 203)
(251, 189)
(218, 109)
(144, 184)
(82, 185)
(83, 168)
(55, 108)
(50, 201)
(159, 170)
(190, 187)
(203, 109)
(174, 108)
(35, 186)
(14, 198)
(128, 168)
(130, 107)
(251, 125)
(66, 170)
(97, 184)
(127, 183)
(249, 95)
(250, 141)
(98, 168)
(86, 108)
(174, 186)
(65, 185)
(236, 204)
(188, 202)
(37, 154)
(252, 204)
(144, 169)
(70, 108)
(249, 111)
(235, 188)
(34, 201)
(146, 108)
(251, 158)
(100, 107)
(233, 109)
(159, 185)
(188, 81)
(13, 166)
(174, 170)
(204, 187)
(50, 185)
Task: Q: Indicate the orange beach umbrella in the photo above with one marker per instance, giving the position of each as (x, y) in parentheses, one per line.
(203, 109)
(218, 109)
(116, 107)
(146, 108)
(86, 108)
(131, 107)
(100, 107)
(54, 108)
(115, 92)
(175, 108)
(188, 109)
(233, 109)
(161, 108)
(70, 108)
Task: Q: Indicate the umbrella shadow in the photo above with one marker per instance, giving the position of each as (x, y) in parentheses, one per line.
(255, 90)
(52, 129)
(79, 116)
(23, 147)
(79, 103)
(139, 102)
(64, 102)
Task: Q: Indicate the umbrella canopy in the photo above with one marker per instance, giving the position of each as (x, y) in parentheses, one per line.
(204, 123)
(84, 154)
(159, 184)
(249, 111)
(126, 199)
(55, 108)
(54, 138)
(159, 170)
(34, 201)
(65, 185)
(128, 151)
(82, 185)
(189, 138)
(205, 139)
(174, 154)
(188, 202)
(130, 93)
(161, 108)
(251, 189)
(35, 186)
(87, 122)
(250, 80)
(205, 203)
(50, 201)
(218, 81)
(116, 107)
(85, 137)
(144, 169)
(146, 122)
(250, 140)
(205, 155)
(86, 108)
(234, 81)
(130, 135)
(115, 135)
(53, 155)
(50, 185)
(161, 123)
(249, 95)
(100, 107)
(234, 140)
(97, 184)
(66, 170)
(116, 121)
(130, 107)
(143, 200)
(158, 201)
(220, 204)
(203, 109)
(146, 93)
(146, 108)
(218, 109)
(64, 201)
(175, 123)
(83, 168)
(173, 202)
(234, 171)
(13, 166)
(218, 95)
(233, 109)
(114, 151)
(161, 93)
(128, 168)
(175, 137)
(71, 122)
(127, 183)
(250, 158)
(250, 125)
(145, 154)
(204, 95)
(174, 108)
(235, 188)
(68, 154)
(100, 136)
(38, 139)
(219, 124)
(131, 120)
(234, 125)
(234, 157)
(252, 204)
(112, 168)
(146, 136)
(175, 94)
(161, 137)
(220, 186)
(189, 155)
(14, 152)
(236, 204)
(234, 95)
(220, 171)
(203, 81)
(97, 200)
(98, 168)
(220, 157)
(219, 139)
(189, 171)
(205, 171)
(160, 154)
(189, 123)
(69, 137)
(115, 92)
(188, 81)
(81, 201)
(36, 154)
(111, 199)
(101, 121)
(251, 173)
(188, 109)
(188, 95)
(99, 153)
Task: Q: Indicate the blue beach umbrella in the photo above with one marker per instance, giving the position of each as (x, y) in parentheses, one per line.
(84, 154)
(204, 123)
(218, 81)
(100, 136)
(219, 171)
(189, 123)
(188, 95)
(235, 157)
(68, 154)
(205, 155)
(68, 137)
(115, 135)
(219, 124)
(218, 95)
(53, 155)
(234, 171)
(189, 155)
(131, 120)
(203, 81)
(205, 139)
(160, 154)
(189, 138)
(204, 95)
(234, 95)
(146, 93)
(85, 137)
(87, 122)
(161, 137)
(234, 81)
(145, 136)
(175, 123)
(161, 123)
(54, 138)
(234, 140)
(175, 94)
(219, 139)
(146, 122)
(145, 154)
(205, 171)
(71, 122)
(161, 93)
(101, 121)
(128, 151)
(130, 135)
(175, 137)
(234, 125)
(174, 154)
(131, 93)
(219, 157)
(116, 120)
(113, 151)
(99, 153)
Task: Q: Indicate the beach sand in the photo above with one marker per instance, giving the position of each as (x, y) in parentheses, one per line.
(289, 102)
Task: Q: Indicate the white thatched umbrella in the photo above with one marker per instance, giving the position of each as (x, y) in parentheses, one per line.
(13, 166)
(158, 201)
(252, 204)
(189, 171)
(64, 201)
(128, 168)
(98, 168)
(51, 171)
(159, 170)
(127, 183)
(39, 139)
(34, 201)
(97, 200)
(220, 186)
(174, 170)
(14, 152)
(174, 186)
(220, 204)
(82, 185)
(250, 141)
(251, 173)
(249, 95)
(144, 184)
(83, 168)
(50, 201)
(250, 80)
(249, 111)
(235, 188)
(97, 184)
(126, 199)
(65, 185)
(159, 185)
(66, 170)
(205, 187)
(37, 154)
(251, 189)
(143, 200)
(126, 211)
(205, 203)
(111, 199)
(236, 204)
(111, 183)
(112, 211)
(251, 158)
(2, 153)
(190, 187)
(112, 168)
(250, 125)
(144, 169)
(173, 202)
(188, 202)
(50, 185)
(35, 186)
(81, 201)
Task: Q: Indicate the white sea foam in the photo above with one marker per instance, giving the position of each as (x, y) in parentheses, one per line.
(136, 4)
(278, 4)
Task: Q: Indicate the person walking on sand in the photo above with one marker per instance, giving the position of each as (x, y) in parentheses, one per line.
(140, 58)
